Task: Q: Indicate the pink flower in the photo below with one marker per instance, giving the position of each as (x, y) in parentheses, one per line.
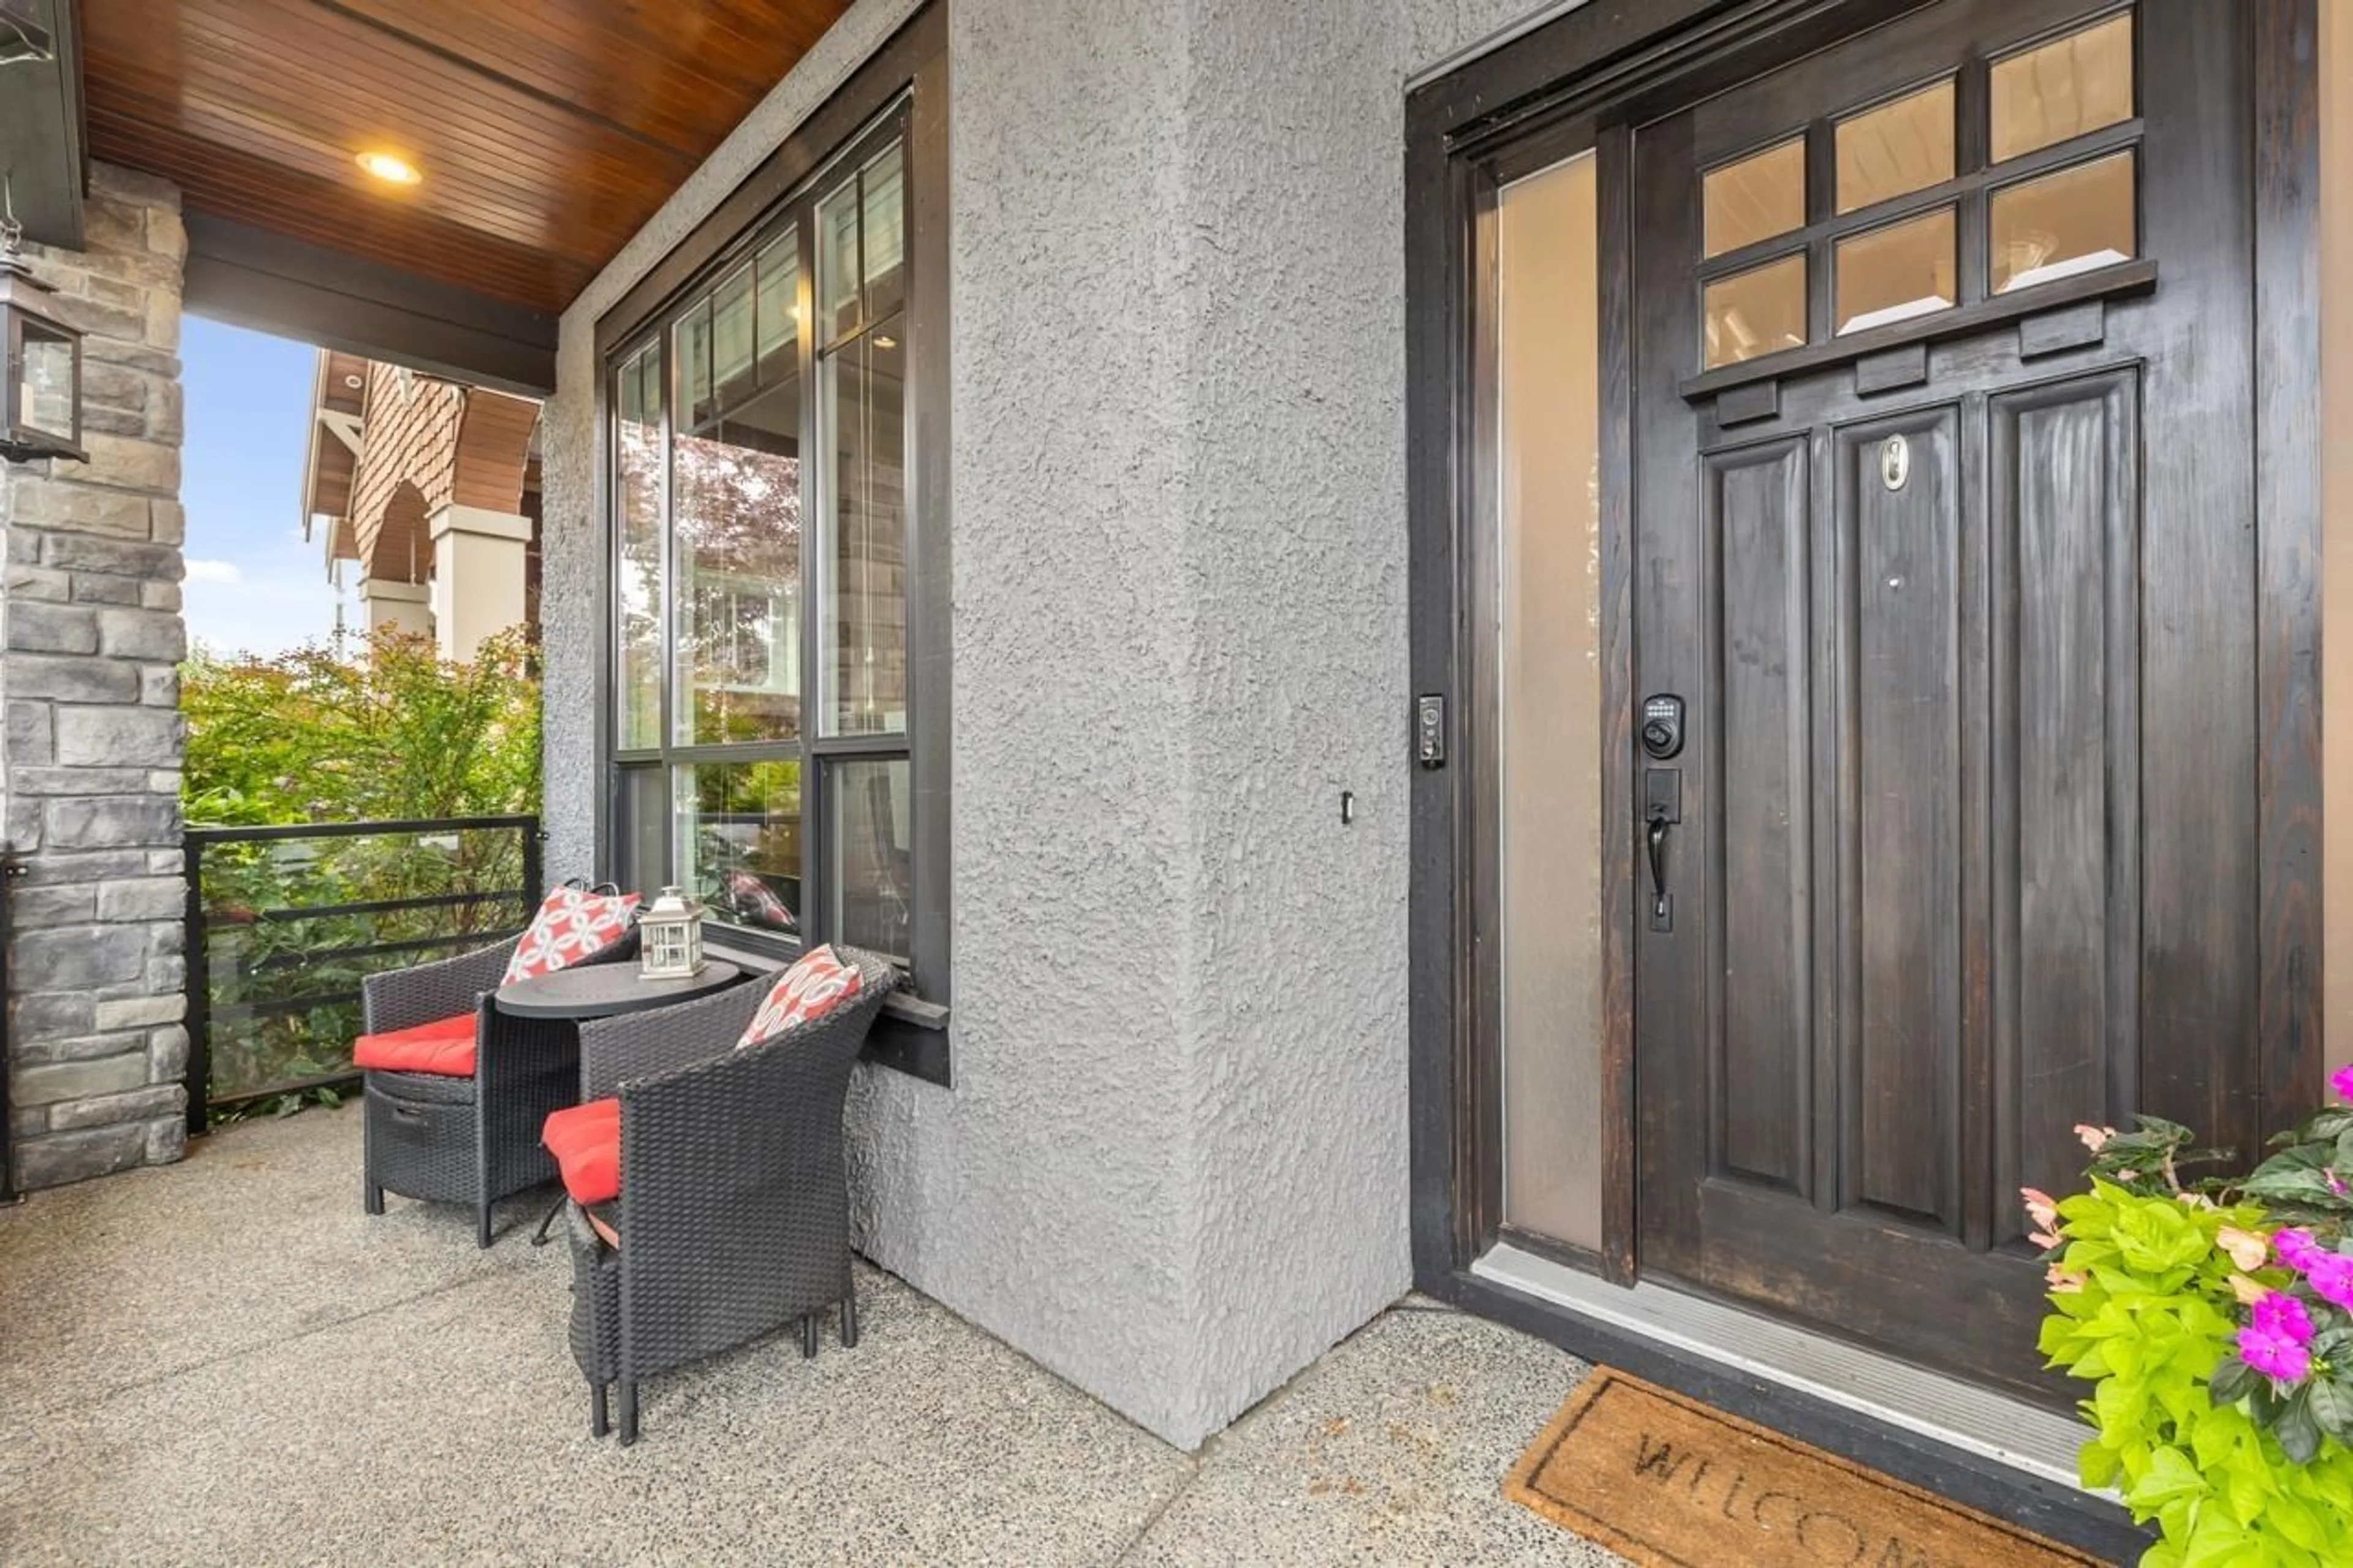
(2276, 1356)
(2297, 1248)
(2328, 1174)
(2341, 1080)
(2062, 1281)
(2331, 1277)
(2044, 1214)
(2094, 1138)
(2279, 1315)
(2245, 1248)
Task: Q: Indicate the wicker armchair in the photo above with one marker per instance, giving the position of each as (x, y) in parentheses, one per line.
(734, 1218)
(466, 1139)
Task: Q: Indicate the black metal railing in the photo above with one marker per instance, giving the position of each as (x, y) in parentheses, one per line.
(284, 924)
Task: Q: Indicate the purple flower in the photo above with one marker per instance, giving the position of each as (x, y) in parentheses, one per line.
(2341, 1080)
(2297, 1248)
(2276, 1356)
(2279, 1315)
(2331, 1275)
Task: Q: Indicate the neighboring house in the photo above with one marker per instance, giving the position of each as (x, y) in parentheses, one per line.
(1609, 659)
(429, 489)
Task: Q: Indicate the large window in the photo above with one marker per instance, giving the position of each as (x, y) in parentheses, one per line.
(769, 609)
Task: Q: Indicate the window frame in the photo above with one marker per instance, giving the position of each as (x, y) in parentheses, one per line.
(899, 95)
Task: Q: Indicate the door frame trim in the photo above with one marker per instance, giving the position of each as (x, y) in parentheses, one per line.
(1589, 75)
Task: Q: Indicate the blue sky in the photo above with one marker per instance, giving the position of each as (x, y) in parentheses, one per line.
(253, 584)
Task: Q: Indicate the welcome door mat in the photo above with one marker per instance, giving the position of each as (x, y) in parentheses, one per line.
(1669, 1483)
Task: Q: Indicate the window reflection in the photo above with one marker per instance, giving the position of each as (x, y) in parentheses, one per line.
(1895, 273)
(872, 867)
(2065, 88)
(739, 840)
(1898, 148)
(1759, 312)
(1754, 199)
(738, 527)
(2062, 224)
(638, 500)
(864, 639)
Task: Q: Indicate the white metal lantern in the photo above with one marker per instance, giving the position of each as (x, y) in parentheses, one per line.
(41, 361)
(669, 937)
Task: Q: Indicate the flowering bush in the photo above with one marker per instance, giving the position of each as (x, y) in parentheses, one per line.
(2215, 1318)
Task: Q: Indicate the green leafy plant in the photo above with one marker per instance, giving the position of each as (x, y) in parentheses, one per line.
(2213, 1316)
(371, 730)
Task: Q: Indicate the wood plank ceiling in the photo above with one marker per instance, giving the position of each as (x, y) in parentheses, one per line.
(547, 131)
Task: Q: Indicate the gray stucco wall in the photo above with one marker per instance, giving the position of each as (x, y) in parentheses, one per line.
(1173, 1167)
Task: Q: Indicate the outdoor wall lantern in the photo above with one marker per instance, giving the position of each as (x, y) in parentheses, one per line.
(40, 394)
(669, 937)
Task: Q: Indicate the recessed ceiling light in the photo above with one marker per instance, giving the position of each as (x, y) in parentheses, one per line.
(886, 342)
(354, 381)
(392, 169)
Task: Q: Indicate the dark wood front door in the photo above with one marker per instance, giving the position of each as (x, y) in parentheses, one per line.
(1944, 408)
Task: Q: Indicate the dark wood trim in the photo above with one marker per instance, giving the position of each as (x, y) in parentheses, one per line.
(2288, 524)
(252, 277)
(1614, 171)
(43, 134)
(2076, 1519)
(2126, 278)
(810, 145)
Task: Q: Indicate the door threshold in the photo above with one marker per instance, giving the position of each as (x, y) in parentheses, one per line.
(2009, 1432)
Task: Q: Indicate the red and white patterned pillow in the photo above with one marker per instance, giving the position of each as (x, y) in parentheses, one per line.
(817, 984)
(572, 924)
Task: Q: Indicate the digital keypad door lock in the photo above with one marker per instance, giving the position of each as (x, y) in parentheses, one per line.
(1662, 726)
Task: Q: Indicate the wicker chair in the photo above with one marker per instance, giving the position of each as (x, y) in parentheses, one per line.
(734, 1218)
(466, 1140)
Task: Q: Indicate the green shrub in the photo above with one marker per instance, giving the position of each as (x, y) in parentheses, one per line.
(353, 731)
(2212, 1318)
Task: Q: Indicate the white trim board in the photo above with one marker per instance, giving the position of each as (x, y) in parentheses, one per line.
(1960, 1415)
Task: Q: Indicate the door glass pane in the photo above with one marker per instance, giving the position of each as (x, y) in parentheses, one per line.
(731, 365)
(1547, 653)
(779, 309)
(1754, 199)
(1889, 274)
(836, 262)
(738, 554)
(2066, 88)
(1896, 148)
(739, 840)
(863, 641)
(2062, 224)
(637, 470)
(872, 866)
(886, 231)
(1759, 312)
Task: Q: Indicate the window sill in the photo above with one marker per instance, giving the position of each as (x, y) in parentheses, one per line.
(910, 1037)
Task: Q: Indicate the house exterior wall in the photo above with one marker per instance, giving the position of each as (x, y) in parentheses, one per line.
(90, 770)
(1173, 1167)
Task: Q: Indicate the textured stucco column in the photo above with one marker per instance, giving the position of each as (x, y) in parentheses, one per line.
(1173, 1167)
(91, 769)
(478, 577)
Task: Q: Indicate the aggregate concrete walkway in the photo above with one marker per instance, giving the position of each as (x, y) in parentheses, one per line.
(226, 1363)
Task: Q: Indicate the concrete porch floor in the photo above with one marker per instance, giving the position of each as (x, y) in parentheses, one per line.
(225, 1362)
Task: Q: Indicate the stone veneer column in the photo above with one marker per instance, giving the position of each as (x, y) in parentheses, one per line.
(90, 770)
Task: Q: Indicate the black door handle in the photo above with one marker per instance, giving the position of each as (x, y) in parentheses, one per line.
(1662, 915)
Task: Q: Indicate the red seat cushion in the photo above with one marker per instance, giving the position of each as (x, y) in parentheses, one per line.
(445, 1046)
(586, 1143)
